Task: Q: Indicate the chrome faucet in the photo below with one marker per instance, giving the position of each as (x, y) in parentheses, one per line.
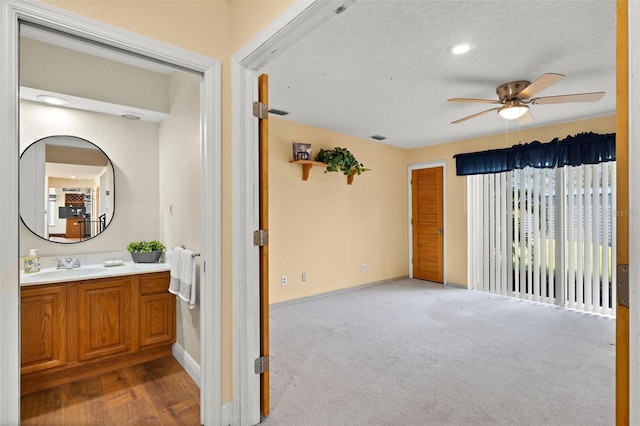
(68, 263)
(72, 263)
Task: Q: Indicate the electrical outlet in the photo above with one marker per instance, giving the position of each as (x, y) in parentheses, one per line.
(304, 276)
(364, 267)
(283, 280)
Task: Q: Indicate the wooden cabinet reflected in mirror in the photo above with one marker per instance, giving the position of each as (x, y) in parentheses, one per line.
(66, 189)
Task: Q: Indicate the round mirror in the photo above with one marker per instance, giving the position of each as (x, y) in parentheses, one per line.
(66, 189)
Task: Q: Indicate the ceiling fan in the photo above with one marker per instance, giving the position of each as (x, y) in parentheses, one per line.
(516, 96)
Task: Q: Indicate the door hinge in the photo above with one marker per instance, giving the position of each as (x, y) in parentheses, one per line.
(261, 364)
(260, 237)
(622, 281)
(260, 110)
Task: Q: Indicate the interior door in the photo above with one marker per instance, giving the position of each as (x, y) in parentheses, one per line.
(263, 98)
(427, 224)
(622, 222)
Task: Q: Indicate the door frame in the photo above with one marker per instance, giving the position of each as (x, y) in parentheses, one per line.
(13, 11)
(634, 214)
(428, 165)
(302, 17)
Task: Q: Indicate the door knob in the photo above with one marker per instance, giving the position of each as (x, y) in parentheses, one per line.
(439, 231)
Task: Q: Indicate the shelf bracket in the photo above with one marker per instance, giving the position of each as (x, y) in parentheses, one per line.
(305, 170)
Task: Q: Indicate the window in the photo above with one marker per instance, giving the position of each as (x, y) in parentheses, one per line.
(545, 234)
(52, 210)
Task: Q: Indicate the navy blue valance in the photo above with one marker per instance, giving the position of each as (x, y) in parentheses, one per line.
(583, 148)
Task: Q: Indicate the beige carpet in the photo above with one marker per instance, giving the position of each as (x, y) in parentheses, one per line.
(416, 353)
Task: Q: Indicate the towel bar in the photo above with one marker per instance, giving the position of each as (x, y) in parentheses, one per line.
(193, 255)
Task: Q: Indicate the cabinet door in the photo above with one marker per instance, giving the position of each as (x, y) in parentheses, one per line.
(157, 310)
(104, 311)
(73, 228)
(157, 319)
(43, 328)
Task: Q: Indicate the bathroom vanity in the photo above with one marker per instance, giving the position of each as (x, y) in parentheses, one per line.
(94, 323)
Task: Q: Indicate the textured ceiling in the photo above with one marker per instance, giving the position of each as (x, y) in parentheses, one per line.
(382, 67)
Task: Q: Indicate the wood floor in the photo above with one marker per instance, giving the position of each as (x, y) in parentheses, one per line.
(158, 392)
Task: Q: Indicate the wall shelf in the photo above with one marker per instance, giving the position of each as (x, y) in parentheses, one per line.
(307, 165)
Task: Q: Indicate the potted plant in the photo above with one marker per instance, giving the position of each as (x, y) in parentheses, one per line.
(146, 251)
(340, 159)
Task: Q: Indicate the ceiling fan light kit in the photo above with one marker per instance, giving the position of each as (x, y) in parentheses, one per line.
(513, 110)
(516, 96)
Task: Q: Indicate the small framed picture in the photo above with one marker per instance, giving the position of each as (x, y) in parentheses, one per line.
(301, 151)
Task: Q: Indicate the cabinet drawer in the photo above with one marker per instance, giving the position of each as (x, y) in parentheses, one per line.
(154, 283)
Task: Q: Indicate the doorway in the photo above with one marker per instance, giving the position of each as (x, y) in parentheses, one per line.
(427, 197)
(12, 15)
(427, 224)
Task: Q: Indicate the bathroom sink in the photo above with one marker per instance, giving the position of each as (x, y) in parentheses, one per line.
(69, 273)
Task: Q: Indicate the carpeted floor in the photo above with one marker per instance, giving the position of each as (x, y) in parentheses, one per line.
(416, 353)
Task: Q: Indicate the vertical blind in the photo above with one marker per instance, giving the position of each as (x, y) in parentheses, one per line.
(546, 235)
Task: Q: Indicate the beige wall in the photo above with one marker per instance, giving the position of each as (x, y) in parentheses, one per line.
(327, 228)
(180, 182)
(455, 197)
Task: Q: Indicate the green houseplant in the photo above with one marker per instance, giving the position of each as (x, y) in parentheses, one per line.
(340, 159)
(146, 251)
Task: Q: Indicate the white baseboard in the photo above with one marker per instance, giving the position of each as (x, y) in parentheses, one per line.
(193, 370)
(334, 292)
(225, 414)
(189, 364)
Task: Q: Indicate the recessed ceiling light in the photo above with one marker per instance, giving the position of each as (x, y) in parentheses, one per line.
(463, 47)
(130, 115)
(378, 137)
(53, 100)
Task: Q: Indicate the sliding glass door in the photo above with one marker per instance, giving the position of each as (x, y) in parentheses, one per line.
(545, 234)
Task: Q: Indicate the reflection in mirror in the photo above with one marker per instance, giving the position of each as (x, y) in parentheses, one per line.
(66, 189)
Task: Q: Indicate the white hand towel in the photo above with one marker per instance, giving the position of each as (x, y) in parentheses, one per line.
(188, 278)
(176, 270)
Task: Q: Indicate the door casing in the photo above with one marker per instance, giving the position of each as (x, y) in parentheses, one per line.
(427, 165)
(11, 13)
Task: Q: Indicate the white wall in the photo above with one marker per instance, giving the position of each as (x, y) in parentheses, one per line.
(180, 177)
(132, 147)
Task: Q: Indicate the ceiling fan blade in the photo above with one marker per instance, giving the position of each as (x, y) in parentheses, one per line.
(526, 118)
(484, 101)
(477, 114)
(563, 99)
(540, 84)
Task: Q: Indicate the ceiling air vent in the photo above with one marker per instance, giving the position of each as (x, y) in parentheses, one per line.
(278, 111)
(378, 137)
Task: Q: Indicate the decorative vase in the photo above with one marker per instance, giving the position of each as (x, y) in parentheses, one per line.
(148, 257)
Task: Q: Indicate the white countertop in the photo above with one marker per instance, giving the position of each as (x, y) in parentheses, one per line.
(90, 271)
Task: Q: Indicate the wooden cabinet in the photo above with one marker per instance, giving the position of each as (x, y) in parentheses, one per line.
(75, 227)
(43, 333)
(104, 317)
(157, 311)
(83, 328)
